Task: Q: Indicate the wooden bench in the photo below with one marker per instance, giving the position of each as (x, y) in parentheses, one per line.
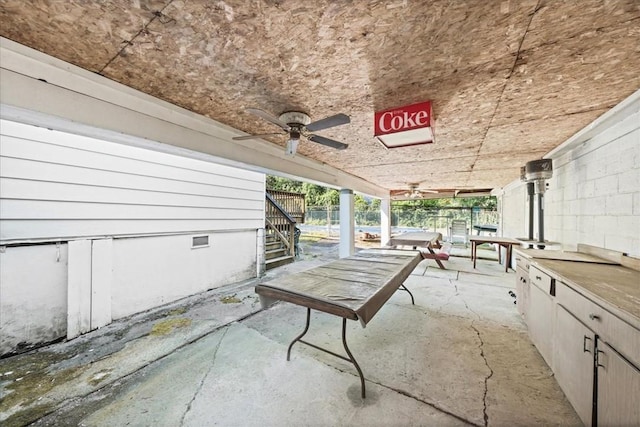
(441, 253)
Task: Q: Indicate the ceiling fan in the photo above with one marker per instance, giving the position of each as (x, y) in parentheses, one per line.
(414, 192)
(297, 124)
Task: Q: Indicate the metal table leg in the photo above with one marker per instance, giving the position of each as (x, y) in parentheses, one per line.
(404, 288)
(306, 328)
(350, 359)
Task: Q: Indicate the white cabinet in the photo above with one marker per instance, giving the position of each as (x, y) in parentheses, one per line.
(618, 389)
(589, 361)
(540, 322)
(584, 319)
(573, 362)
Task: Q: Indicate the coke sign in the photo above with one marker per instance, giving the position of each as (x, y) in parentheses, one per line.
(403, 119)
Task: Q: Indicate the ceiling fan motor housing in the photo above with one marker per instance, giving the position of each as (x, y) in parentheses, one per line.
(295, 118)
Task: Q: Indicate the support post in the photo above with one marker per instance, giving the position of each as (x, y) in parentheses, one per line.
(347, 225)
(385, 221)
(530, 195)
(260, 252)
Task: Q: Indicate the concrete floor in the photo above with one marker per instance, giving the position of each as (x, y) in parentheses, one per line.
(461, 355)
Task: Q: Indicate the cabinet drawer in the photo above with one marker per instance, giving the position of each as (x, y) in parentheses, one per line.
(611, 329)
(522, 262)
(541, 280)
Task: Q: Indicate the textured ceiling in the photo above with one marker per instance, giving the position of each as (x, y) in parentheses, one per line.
(509, 80)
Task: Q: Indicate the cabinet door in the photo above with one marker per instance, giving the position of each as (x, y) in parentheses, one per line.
(540, 320)
(618, 389)
(573, 362)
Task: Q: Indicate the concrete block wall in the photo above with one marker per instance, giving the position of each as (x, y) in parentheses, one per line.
(594, 194)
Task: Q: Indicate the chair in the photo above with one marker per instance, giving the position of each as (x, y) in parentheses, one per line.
(459, 231)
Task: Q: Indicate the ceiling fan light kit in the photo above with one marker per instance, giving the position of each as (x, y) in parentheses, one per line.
(298, 124)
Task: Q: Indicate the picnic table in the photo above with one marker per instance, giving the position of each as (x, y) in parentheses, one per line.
(353, 288)
(425, 239)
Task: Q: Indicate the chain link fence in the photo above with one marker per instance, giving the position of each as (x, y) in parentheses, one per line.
(431, 219)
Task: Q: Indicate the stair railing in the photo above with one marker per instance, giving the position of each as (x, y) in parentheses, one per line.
(292, 203)
(279, 224)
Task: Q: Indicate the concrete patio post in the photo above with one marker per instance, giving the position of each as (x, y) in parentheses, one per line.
(347, 231)
(385, 221)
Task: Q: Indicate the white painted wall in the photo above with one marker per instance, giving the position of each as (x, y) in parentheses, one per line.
(33, 295)
(176, 269)
(125, 217)
(594, 194)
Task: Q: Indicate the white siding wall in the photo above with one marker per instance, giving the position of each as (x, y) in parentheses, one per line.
(130, 215)
(56, 185)
(594, 194)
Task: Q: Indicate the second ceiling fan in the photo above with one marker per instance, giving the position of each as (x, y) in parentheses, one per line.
(297, 124)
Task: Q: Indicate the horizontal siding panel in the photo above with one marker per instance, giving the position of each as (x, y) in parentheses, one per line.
(19, 189)
(27, 169)
(55, 185)
(37, 209)
(43, 135)
(19, 230)
(47, 153)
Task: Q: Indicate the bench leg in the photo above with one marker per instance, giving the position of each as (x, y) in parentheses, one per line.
(436, 259)
(344, 343)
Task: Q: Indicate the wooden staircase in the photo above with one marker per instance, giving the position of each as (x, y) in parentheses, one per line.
(283, 210)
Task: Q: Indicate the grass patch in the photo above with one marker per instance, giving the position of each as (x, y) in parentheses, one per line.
(177, 311)
(312, 237)
(27, 382)
(230, 299)
(165, 327)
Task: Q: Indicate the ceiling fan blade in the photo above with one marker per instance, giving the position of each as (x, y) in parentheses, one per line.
(242, 138)
(329, 122)
(268, 117)
(328, 142)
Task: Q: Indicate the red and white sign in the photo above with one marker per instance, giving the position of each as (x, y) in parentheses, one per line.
(408, 125)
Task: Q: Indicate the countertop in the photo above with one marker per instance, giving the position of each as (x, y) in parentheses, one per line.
(613, 286)
(561, 256)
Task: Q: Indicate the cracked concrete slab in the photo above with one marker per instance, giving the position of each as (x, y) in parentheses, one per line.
(460, 355)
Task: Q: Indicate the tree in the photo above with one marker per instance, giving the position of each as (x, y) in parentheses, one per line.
(317, 195)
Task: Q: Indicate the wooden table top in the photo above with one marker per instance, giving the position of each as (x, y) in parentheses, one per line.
(415, 238)
(490, 239)
(355, 287)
